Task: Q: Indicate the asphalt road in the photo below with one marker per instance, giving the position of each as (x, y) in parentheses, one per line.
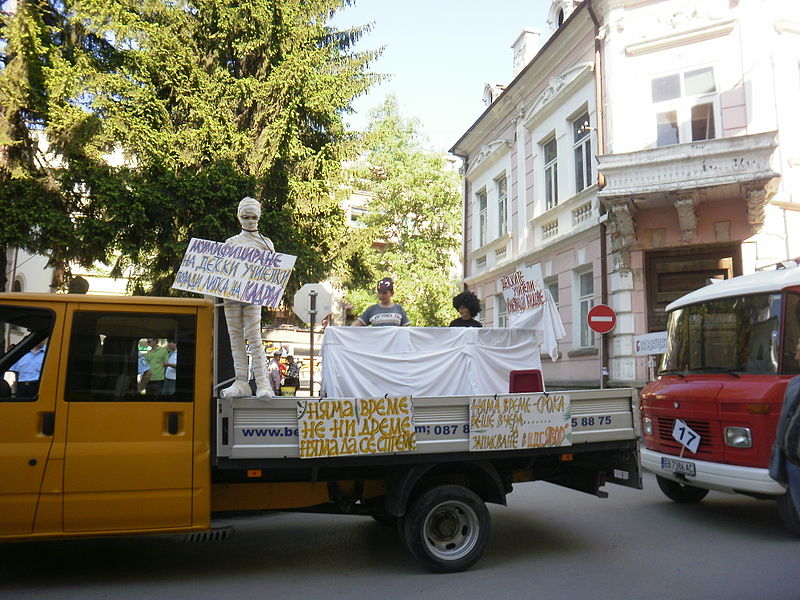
(548, 543)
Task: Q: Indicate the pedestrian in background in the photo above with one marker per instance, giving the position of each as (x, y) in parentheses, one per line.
(29, 370)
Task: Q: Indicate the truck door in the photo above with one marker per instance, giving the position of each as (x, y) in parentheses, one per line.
(129, 452)
(28, 379)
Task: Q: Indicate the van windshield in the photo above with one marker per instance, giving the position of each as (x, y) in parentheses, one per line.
(737, 335)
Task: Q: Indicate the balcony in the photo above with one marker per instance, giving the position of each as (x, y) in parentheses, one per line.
(683, 167)
(682, 176)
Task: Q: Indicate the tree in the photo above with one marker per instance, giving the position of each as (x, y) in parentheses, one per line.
(205, 101)
(415, 210)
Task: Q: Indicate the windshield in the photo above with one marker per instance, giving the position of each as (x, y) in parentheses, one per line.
(739, 334)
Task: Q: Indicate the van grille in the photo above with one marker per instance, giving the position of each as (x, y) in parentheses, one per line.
(703, 428)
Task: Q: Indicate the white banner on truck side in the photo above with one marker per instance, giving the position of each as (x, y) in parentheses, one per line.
(519, 421)
(355, 426)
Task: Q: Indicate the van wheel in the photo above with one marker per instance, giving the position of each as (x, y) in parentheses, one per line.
(446, 528)
(680, 492)
(787, 511)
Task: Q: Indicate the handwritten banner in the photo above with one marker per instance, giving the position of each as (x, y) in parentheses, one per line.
(234, 272)
(523, 290)
(355, 426)
(519, 421)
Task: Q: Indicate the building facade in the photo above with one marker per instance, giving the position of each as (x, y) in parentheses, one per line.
(682, 112)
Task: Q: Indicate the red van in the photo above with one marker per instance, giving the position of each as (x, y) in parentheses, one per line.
(708, 421)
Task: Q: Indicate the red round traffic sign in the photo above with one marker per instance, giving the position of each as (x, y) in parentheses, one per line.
(601, 318)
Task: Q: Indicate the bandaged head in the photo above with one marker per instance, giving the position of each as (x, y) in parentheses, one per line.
(249, 208)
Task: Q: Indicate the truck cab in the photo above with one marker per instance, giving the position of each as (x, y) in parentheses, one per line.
(731, 351)
(83, 451)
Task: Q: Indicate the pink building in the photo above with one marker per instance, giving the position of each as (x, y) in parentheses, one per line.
(683, 113)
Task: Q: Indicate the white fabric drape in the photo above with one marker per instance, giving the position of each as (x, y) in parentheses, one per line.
(424, 361)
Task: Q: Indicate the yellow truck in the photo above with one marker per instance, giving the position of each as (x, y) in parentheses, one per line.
(83, 452)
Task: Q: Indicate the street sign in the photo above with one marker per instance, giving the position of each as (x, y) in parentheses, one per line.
(601, 318)
(650, 343)
(302, 302)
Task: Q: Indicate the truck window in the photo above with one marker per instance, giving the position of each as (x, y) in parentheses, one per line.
(731, 334)
(25, 332)
(107, 348)
(791, 334)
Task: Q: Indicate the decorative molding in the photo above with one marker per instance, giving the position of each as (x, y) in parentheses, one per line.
(488, 154)
(565, 82)
(757, 199)
(687, 217)
(623, 226)
(673, 39)
(694, 165)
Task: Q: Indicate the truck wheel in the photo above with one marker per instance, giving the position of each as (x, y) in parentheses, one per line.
(787, 511)
(446, 528)
(680, 492)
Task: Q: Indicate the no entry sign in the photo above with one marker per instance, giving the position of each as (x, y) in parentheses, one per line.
(601, 318)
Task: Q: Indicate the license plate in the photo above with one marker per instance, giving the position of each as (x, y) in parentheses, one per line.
(673, 465)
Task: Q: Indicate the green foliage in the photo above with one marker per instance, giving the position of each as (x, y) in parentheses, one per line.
(415, 209)
(204, 101)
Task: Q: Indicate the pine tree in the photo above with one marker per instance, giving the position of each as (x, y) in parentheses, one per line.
(201, 102)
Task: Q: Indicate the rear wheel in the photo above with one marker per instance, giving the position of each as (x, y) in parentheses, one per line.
(446, 528)
(787, 511)
(680, 492)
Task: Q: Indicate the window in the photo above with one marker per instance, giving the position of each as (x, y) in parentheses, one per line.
(483, 218)
(104, 355)
(685, 105)
(25, 332)
(791, 334)
(550, 151)
(583, 152)
(502, 206)
(738, 334)
(585, 302)
(552, 287)
(501, 317)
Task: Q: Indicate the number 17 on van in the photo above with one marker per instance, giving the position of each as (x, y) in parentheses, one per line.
(686, 435)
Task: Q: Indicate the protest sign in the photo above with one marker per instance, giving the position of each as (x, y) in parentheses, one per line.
(529, 305)
(234, 272)
(523, 290)
(355, 426)
(520, 421)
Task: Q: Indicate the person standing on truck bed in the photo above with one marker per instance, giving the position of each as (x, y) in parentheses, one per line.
(785, 464)
(244, 319)
(385, 312)
(468, 306)
(156, 357)
(28, 370)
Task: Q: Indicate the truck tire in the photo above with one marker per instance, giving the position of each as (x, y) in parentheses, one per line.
(680, 492)
(446, 528)
(788, 513)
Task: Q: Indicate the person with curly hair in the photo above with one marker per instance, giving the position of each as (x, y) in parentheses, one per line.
(468, 306)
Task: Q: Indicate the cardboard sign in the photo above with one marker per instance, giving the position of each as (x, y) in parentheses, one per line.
(249, 275)
(523, 290)
(512, 422)
(355, 426)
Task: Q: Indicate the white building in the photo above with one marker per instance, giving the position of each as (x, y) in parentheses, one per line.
(688, 108)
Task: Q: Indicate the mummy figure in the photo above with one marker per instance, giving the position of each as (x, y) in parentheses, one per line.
(243, 319)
